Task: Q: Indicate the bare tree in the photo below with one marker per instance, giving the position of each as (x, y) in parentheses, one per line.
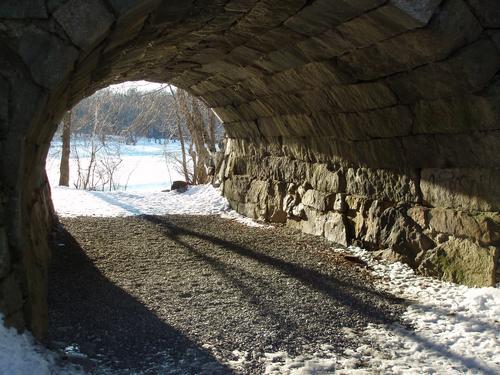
(98, 172)
(66, 139)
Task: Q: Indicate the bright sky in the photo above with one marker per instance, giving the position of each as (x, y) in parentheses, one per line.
(139, 85)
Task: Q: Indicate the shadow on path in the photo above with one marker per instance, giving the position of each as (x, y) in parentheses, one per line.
(110, 326)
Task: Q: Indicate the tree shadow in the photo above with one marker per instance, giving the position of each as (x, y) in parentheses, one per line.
(347, 293)
(111, 327)
(133, 210)
(342, 291)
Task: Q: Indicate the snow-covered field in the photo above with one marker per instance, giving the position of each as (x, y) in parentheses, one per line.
(143, 166)
(456, 328)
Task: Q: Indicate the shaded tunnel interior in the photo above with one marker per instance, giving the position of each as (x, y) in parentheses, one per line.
(370, 122)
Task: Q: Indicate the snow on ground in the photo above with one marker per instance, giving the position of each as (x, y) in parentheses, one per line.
(456, 331)
(21, 355)
(197, 200)
(456, 328)
(143, 166)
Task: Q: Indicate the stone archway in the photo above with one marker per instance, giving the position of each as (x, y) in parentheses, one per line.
(368, 121)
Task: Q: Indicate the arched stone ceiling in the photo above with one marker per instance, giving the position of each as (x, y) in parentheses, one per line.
(357, 101)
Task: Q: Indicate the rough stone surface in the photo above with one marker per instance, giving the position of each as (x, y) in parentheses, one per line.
(483, 227)
(381, 184)
(462, 261)
(370, 122)
(86, 22)
(467, 189)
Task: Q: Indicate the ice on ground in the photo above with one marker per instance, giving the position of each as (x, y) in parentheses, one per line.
(197, 200)
(21, 355)
(456, 331)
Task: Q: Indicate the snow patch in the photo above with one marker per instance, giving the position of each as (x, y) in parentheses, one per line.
(197, 200)
(456, 331)
(21, 355)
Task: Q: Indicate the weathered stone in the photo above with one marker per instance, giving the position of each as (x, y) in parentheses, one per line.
(467, 71)
(467, 189)
(456, 115)
(388, 20)
(258, 192)
(453, 27)
(483, 227)
(326, 180)
(339, 203)
(49, 59)
(236, 188)
(4, 106)
(179, 186)
(314, 221)
(419, 215)
(335, 228)
(4, 253)
(462, 261)
(390, 228)
(15, 9)
(86, 22)
(488, 12)
(421, 11)
(394, 186)
(312, 92)
(11, 299)
(318, 200)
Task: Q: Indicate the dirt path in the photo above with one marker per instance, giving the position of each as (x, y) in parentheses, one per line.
(178, 294)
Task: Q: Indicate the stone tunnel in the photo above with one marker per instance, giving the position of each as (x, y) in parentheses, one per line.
(368, 122)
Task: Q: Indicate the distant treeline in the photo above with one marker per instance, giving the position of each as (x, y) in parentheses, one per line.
(129, 114)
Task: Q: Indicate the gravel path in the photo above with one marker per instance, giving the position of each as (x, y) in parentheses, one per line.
(179, 294)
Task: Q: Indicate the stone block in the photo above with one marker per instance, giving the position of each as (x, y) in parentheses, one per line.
(339, 203)
(383, 184)
(11, 298)
(335, 228)
(323, 179)
(390, 228)
(4, 253)
(462, 261)
(488, 12)
(321, 15)
(453, 27)
(86, 22)
(325, 45)
(379, 123)
(457, 115)
(4, 106)
(483, 227)
(236, 187)
(318, 200)
(420, 215)
(388, 20)
(475, 189)
(50, 60)
(469, 70)
(362, 96)
(313, 222)
(15, 9)
(258, 192)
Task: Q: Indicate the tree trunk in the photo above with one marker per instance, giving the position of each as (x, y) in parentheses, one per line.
(66, 139)
(180, 133)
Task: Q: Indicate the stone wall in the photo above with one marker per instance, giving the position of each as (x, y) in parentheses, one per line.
(421, 217)
(373, 121)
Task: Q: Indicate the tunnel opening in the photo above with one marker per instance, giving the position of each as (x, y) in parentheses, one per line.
(367, 122)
